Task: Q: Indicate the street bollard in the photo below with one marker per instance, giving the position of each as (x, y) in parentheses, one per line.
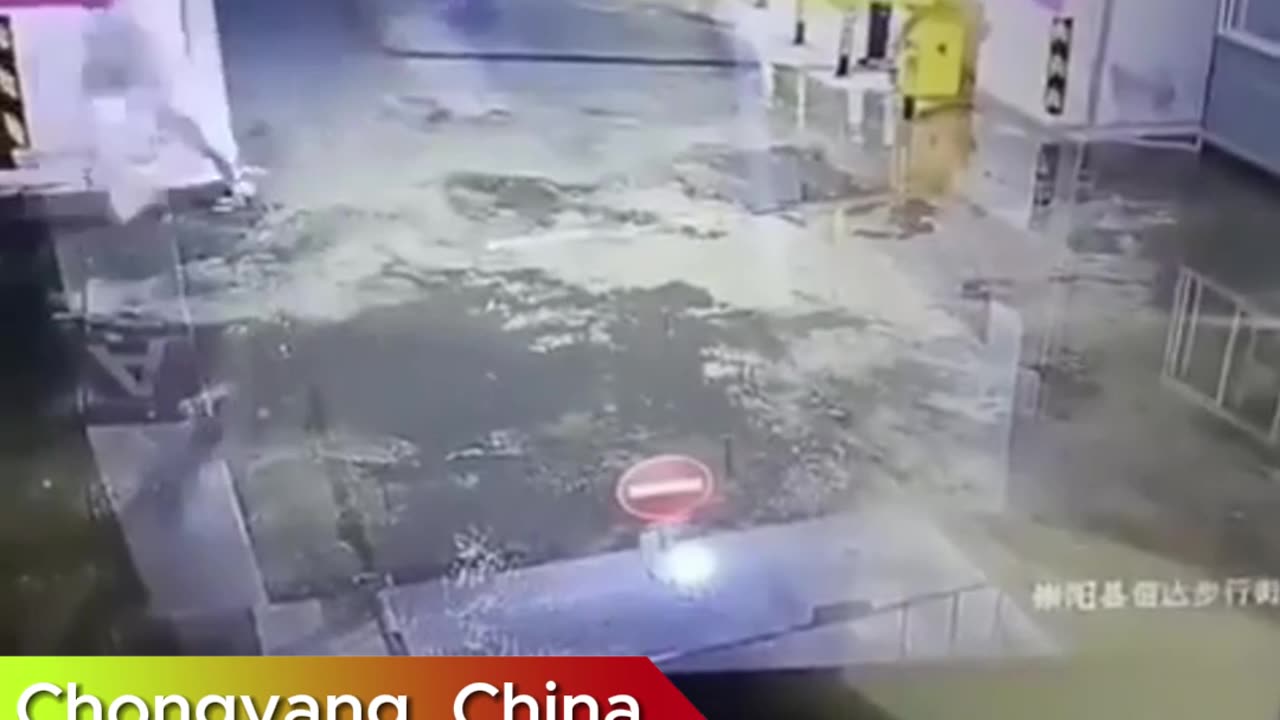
(799, 38)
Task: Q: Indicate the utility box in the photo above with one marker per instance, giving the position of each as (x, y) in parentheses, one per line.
(934, 51)
(1107, 66)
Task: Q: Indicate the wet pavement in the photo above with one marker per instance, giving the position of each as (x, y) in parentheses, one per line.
(477, 291)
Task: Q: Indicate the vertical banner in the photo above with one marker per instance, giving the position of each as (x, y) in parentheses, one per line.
(13, 124)
(1055, 91)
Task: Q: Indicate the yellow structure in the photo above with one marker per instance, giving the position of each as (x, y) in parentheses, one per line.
(931, 59)
(938, 50)
(939, 53)
(933, 153)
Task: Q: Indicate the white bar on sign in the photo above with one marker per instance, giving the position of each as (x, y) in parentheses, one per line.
(674, 486)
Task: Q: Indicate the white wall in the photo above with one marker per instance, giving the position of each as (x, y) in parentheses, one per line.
(50, 53)
(1157, 63)
(1014, 56)
(1000, 177)
(49, 70)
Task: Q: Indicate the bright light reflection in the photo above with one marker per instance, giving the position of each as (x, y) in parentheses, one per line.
(688, 565)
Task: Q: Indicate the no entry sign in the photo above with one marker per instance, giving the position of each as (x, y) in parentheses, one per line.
(665, 488)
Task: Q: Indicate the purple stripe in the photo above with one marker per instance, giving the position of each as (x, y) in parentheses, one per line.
(4, 4)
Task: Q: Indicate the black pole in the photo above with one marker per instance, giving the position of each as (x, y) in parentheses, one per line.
(799, 36)
(878, 34)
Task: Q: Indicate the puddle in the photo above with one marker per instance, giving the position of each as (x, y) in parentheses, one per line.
(479, 197)
(764, 181)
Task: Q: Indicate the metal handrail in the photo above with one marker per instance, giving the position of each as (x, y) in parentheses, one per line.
(856, 611)
(1186, 318)
(953, 620)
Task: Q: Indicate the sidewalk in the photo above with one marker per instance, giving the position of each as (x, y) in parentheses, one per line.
(767, 583)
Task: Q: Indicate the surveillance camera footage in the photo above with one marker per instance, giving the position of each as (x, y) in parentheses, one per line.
(637, 327)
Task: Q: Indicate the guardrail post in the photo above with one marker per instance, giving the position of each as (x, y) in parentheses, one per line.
(954, 623)
(905, 631)
(1178, 322)
(1197, 297)
(1228, 357)
(997, 620)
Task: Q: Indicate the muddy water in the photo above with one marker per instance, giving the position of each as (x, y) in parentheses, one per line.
(520, 417)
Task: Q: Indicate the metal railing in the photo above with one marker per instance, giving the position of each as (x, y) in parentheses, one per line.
(954, 598)
(1211, 355)
(852, 612)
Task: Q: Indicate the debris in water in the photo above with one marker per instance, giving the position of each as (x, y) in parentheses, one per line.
(466, 481)
(497, 445)
(479, 556)
(369, 452)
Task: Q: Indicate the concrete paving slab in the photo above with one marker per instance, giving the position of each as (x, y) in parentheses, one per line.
(766, 580)
(189, 543)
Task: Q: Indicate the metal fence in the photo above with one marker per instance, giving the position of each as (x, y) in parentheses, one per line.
(1223, 354)
(994, 640)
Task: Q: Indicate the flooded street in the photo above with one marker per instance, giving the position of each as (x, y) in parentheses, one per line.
(477, 289)
(475, 395)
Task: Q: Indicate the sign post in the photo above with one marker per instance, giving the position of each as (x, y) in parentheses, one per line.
(663, 492)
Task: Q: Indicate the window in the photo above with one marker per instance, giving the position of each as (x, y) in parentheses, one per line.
(1254, 21)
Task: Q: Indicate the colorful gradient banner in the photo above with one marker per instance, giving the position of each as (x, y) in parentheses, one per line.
(305, 688)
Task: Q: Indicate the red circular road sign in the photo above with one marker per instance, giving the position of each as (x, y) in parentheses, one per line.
(665, 488)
